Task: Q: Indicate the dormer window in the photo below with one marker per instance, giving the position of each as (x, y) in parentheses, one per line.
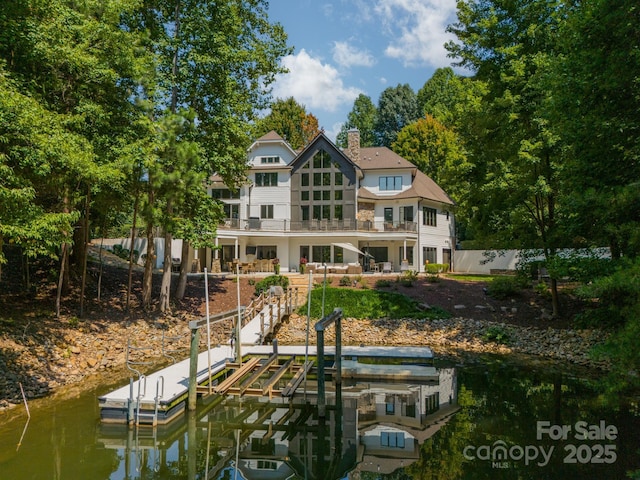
(390, 183)
(266, 160)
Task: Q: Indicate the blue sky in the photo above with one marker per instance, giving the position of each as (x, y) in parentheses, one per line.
(346, 47)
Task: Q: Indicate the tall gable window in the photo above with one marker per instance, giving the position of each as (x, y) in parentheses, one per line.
(390, 183)
(267, 160)
(266, 179)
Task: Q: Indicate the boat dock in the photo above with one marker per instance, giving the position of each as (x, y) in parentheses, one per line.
(160, 397)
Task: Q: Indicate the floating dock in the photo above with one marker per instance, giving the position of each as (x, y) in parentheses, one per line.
(160, 397)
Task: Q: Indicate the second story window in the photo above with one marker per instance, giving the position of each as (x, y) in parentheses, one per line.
(269, 159)
(224, 193)
(266, 179)
(429, 216)
(390, 183)
(266, 211)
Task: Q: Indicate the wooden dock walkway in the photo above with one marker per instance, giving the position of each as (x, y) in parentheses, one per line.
(160, 397)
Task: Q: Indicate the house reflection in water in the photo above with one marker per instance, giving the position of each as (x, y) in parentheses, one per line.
(369, 427)
(379, 428)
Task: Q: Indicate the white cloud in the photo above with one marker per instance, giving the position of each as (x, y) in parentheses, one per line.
(417, 30)
(348, 56)
(313, 84)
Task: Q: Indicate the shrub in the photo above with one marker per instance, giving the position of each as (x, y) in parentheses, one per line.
(383, 283)
(270, 281)
(345, 281)
(408, 277)
(436, 268)
(505, 287)
(497, 334)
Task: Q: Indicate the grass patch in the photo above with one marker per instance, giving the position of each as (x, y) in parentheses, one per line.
(470, 278)
(369, 304)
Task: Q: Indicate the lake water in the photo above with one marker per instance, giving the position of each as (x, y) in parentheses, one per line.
(493, 419)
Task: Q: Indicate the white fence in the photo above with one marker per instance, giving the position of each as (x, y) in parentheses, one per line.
(477, 261)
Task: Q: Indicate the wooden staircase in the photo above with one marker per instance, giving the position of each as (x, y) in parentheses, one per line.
(301, 282)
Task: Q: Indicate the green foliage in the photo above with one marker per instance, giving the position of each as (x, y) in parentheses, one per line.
(437, 152)
(612, 298)
(497, 334)
(363, 117)
(436, 268)
(383, 283)
(408, 278)
(505, 287)
(272, 280)
(290, 120)
(345, 281)
(371, 304)
(397, 108)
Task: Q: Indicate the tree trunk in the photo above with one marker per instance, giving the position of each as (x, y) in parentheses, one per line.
(131, 254)
(63, 262)
(184, 267)
(165, 287)
(147, 282)
(84, 250)
(555, 300)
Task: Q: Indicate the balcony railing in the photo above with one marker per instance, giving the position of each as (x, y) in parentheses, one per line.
(346, 225)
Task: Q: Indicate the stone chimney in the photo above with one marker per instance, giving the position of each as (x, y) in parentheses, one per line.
(353, 145)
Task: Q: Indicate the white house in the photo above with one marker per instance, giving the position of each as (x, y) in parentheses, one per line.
(362, 205)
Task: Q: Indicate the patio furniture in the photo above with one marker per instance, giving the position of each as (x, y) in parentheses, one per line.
(386, 267)
(373, 266)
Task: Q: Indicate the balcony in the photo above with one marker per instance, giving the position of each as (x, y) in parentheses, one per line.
(346, 225)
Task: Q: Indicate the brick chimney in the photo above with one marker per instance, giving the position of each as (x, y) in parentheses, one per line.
(353, 145)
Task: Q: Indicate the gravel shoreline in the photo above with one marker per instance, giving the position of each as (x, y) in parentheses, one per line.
(44, 364)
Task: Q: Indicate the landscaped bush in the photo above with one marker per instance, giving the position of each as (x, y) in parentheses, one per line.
(273, 280)
(408, 277)
(497, 334)
(506, 287)
(436, 268)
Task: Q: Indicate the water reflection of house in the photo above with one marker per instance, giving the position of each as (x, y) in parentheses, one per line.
(369, 427)
(395, 420)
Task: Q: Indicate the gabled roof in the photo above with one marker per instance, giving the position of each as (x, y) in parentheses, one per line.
(380, 158)
(422, 186)
(273, 138)
(322, 142)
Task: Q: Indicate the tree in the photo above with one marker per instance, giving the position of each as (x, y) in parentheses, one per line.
(290, 120)
(437, 152)
(511, 46)
(397, 107)
(363, 117)
(74, 67)
(597, 85)
(216, 60)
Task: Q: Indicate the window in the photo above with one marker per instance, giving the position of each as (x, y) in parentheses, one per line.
(392, 439)
(267, 465)
(338, 255)
(406, 214)
(304, 180)
(266, 211)
(305, 213)
(322, 160)
(390, 408)
(337, 212)
(304, 195)
(266, 179)
(321, 253)
(429, 216)
(388, 214)
(224, 193)
(270, 160)
(337, 195)
(326, 195)
(409, 255)
(337, 178)
(317, 194)
(390, 183)
(432, 403)
(430, 254)
(266, 251)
